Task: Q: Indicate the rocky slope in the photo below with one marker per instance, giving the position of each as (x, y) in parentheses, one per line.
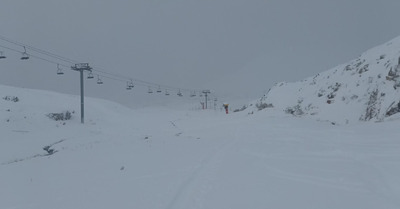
(364, 89)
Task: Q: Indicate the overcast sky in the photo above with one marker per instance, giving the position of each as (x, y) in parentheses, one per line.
(236, 48)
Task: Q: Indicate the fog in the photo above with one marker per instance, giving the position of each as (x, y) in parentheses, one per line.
(238, 49)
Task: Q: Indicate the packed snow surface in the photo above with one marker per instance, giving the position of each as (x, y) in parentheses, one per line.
(165, 158)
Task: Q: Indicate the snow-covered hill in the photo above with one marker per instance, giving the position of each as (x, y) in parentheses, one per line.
(161, 158)
(366, 89)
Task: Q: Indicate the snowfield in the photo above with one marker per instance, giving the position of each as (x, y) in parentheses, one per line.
(164, 158)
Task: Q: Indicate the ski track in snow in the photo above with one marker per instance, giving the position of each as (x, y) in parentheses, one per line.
(370, 179)
(198, 182)
(34, 156)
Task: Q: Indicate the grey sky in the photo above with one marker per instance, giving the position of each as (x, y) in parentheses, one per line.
(237, 48)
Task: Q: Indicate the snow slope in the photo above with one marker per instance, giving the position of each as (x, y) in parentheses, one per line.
(158, 158)
(365, 89)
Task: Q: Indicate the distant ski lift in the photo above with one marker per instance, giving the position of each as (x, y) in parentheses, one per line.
(159, 90)
(201, 95)
(99, 81)
(179, 93)
(59, 70)
(150, 91)
(193, 94)
(129, 85)
(90, 75)
(166, 93)
(2, 55)
(25, 55)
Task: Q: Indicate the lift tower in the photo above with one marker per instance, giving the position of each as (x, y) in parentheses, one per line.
(82, 67)
(206, 92)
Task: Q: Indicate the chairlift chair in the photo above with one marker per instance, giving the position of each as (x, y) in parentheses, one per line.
(166, 93)
(59, 70)
(179, 93)
(2, 55)
(193, 94)
(159, 90)
(25, 55)
(99, 81)
(90, 75)
(150, 91)
(128, 86)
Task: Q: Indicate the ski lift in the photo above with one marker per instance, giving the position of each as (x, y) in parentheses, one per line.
(179, 93)
(159, 89)
(166, 93)
(150, 91)
(201, 95)
(2, 55)
(25, 55)
(193, 94)
(99, 81)
(130, 84)
(59, 70)
(90, 75)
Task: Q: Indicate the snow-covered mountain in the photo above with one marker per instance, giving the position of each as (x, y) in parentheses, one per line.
(366, 89)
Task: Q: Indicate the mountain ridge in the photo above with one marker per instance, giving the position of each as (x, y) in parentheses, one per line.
(363, 89)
